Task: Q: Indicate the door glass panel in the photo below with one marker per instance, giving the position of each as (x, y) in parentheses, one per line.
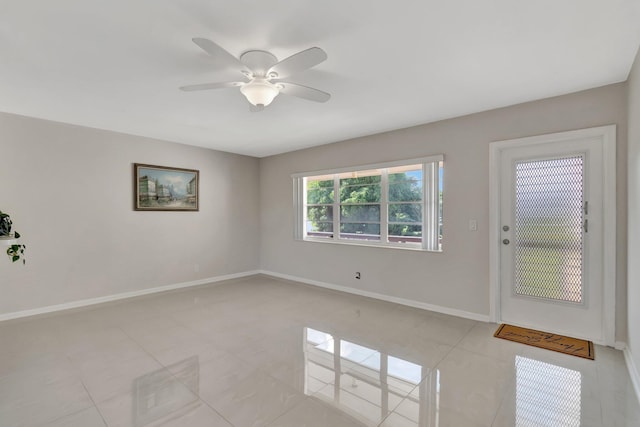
(548, 229)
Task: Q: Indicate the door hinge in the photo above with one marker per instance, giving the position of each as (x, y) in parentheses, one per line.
(586, 208)
(586, 226)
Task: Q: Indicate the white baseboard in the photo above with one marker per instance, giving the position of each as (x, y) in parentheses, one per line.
(633, 371)
(125, 295)
(142, 292)
(619, 345)
(388, 298)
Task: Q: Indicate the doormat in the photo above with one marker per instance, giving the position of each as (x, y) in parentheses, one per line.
(547, 340)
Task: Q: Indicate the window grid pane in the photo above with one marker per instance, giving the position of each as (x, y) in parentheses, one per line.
(320, 212)
(358, 213)
(317, 196)
(405, 184)
(320, 229)
(357, 194)
(405, 213)
(405, 233)
(360, 231)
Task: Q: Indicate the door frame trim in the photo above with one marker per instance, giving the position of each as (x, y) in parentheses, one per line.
(608, 137)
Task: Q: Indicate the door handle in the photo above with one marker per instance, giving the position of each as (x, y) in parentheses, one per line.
(506, 241)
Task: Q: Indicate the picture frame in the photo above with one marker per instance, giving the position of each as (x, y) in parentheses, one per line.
(163, 188)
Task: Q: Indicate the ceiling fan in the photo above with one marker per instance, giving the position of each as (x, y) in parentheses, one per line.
(264, 73)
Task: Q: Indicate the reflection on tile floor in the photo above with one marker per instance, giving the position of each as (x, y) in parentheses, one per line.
(265, 353)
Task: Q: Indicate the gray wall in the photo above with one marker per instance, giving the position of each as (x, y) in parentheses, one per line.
(69, 192)
(458, 278)
(634, 212)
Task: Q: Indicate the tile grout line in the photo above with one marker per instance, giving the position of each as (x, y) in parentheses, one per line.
(85, 389)
(512, 376)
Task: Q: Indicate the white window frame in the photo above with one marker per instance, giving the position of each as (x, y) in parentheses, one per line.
(430, 205)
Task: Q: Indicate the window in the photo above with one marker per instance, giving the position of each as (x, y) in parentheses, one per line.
(396, 204)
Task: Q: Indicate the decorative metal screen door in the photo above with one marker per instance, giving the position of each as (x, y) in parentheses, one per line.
(551, 237)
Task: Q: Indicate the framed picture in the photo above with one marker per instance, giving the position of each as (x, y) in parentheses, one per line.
(160, 188)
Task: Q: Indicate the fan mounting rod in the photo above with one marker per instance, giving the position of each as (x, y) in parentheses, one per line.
(258, 61)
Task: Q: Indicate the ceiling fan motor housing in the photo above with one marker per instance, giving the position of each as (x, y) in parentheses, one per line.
(258, 61)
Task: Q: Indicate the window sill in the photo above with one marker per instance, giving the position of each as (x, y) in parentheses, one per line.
(370, 244)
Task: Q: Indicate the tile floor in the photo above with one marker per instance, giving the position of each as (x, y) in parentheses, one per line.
(260, 352)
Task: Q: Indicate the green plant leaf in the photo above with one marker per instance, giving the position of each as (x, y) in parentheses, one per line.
(15, 258)
(16, 234)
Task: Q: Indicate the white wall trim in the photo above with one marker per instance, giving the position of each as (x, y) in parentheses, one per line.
(381, 165)
(633, 371)
(608, 135)
(382, 297)
(494, 233)
(125, 295)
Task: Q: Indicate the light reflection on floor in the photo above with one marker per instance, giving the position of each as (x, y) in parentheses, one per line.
(368, 384)
(547, 394)
(362, 381)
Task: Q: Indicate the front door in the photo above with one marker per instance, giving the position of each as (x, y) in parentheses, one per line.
(551, 236)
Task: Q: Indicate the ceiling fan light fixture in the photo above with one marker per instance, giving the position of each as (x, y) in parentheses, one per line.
(260, 92)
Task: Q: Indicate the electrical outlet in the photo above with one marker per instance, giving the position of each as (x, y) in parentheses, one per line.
(473, 225)
(357, 275)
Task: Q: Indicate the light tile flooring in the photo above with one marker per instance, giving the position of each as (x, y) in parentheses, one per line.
(260, 352)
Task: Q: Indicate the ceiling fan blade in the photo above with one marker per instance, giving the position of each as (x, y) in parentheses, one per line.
(207, 86)
(256, 108)
(305, 92)
(299, 62)
(219, 53)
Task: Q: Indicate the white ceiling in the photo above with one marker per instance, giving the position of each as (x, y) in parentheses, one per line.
(118, 64)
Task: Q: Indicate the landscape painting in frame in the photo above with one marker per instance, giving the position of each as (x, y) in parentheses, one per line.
(160, 188)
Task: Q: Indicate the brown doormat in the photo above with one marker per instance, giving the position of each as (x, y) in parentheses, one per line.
(547, 340)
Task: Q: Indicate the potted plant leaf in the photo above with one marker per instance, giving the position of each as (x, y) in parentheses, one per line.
(15, 250)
